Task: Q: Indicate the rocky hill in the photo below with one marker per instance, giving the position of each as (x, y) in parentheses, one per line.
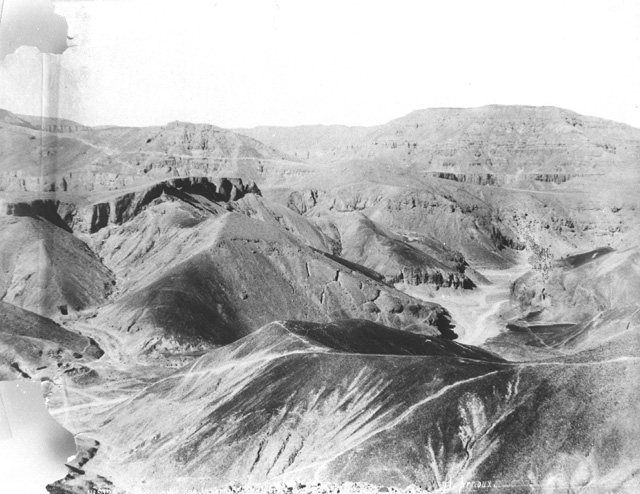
(544, 143)
(312, 403)
(33, 345)
(61, 157)
(442, 301)
(208, 285)
(47, 270)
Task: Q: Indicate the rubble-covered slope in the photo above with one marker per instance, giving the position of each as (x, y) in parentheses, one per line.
(582, 301)
(32, 345)
(292, 402)
(231, 274)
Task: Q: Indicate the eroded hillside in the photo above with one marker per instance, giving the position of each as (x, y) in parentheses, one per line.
(446, 297)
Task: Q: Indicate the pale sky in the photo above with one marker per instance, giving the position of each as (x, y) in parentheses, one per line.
(242, 63)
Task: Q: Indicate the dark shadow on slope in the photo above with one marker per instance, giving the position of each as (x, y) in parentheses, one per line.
(578, 260)
(47, 270)
(189, 304)
(130, 205)
(369, 273)
(362, 336)
(40, 208)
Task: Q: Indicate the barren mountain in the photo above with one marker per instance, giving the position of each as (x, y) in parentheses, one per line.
(83, 160)
(212, 287)
(310, 402)
(281, 304)
(543, 143)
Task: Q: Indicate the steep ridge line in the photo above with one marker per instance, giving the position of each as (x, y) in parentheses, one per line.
(320, 350)
(241, 363)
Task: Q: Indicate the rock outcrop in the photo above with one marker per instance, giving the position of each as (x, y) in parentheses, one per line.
(371, 245)
(54, 211)
(470, 178)
(501, 180)
(50, 124)
(124, 207)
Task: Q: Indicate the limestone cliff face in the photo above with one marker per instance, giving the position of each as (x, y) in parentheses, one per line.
(49, 124)
(490, 140)
(85, 181)
(556, 178)
(470, 178)
(500, 180)
(121, 208)
(432, 276)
